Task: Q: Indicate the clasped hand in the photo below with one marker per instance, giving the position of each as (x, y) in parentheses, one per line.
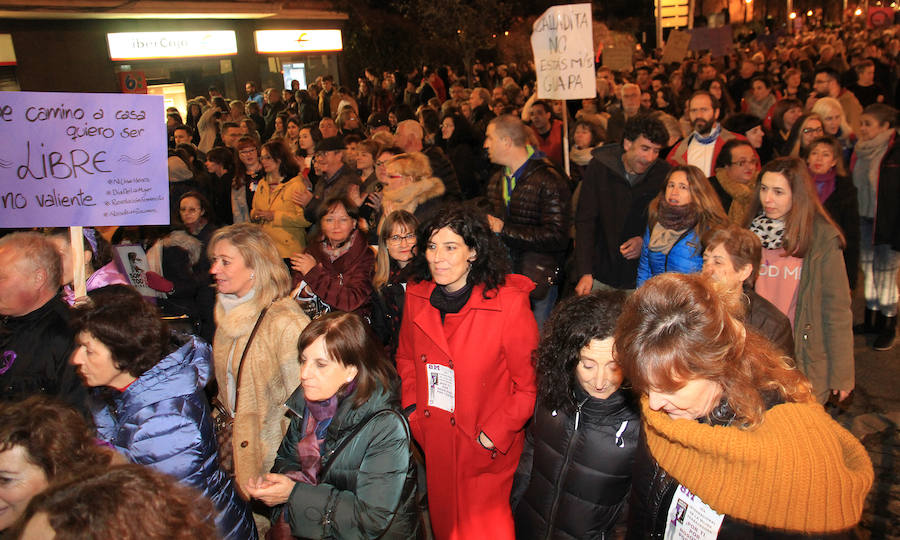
(272, 489)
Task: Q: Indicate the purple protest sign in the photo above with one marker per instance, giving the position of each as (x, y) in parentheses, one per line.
(82, 159)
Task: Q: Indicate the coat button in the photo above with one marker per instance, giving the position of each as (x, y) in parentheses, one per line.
(452, 421)
(424, 358)
(451, 364)
(244, 444)
(427, 413)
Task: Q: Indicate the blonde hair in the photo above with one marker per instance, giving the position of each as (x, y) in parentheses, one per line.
(414, 164)
(272, 280)
(828, 104)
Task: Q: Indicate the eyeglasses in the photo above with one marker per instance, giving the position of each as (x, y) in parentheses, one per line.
(812, 130)
(266, 157)
(745, 162)
(247, 152)
(397, 239)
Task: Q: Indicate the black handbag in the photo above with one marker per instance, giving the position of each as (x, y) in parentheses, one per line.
(542, 269)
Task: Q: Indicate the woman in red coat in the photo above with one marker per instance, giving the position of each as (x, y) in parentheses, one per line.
(465, 360)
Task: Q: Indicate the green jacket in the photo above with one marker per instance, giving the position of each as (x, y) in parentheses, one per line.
(370, 490)
(823, 335)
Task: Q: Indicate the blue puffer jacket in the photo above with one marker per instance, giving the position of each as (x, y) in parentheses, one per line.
(163, 420)
(685, 257)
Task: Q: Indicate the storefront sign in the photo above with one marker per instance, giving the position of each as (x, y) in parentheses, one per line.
(287, 41)
(82, 159)
(563, 44)
(149, 45)
(7, 53)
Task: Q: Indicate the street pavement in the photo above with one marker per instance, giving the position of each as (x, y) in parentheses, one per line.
(873, 415)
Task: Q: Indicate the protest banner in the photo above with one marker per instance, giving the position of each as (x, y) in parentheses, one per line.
(677, 46)
(562, 42)
(718, 41)
(82, 159)
(618, 51)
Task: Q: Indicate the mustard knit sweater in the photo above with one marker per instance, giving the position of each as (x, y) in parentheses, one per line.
(798, 471)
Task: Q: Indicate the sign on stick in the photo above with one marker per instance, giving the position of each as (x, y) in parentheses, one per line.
(563, 45)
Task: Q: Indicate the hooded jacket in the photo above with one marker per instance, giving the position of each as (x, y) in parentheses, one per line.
(162, 420)
(575, 471)
(610, 211)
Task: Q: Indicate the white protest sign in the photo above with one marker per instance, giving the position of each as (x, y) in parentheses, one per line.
(563, 45)
(82, 159)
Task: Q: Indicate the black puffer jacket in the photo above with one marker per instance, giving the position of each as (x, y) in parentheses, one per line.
(575, 471)
(538, 216)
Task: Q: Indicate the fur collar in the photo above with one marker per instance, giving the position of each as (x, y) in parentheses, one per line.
(414, 194)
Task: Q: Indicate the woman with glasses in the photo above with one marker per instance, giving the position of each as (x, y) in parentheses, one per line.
(248, 172)
(335, 272)
(807, 128)
(273, 207)
(396, 248)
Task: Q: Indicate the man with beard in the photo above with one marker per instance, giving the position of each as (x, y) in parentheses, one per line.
(618, 185)
(548, 131)
(701, 148)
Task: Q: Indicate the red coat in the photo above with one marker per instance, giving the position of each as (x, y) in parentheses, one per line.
(345, 284)
(488, 345)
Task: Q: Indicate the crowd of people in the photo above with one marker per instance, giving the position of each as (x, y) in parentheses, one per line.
(424, 309)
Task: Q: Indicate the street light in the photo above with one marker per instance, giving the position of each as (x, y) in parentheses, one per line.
(858, 12)
(793, 15)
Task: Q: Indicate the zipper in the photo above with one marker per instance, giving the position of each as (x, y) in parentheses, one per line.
(680, 238)
(563, 470)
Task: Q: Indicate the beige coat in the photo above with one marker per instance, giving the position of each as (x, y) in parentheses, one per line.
(271, 373)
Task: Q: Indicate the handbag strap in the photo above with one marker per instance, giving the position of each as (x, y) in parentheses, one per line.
(334, 453)
(240, 370)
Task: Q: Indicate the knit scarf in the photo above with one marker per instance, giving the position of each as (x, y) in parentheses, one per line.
(672, 222)
(825, 184)
(769, 231)
(798, 471)
(711, 138)
(315, 427)
(870, 153)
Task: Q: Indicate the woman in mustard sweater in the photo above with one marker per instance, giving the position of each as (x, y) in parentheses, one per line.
(735, 444)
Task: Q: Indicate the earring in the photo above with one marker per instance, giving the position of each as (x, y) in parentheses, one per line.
(252, 275)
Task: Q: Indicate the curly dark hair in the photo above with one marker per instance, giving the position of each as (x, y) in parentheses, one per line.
(570, 328)
(648, 126)
(491, 262)
(55, 437)
(127, 502)
(130, 327)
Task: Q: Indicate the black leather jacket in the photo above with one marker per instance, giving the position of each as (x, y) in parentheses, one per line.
(537, 219)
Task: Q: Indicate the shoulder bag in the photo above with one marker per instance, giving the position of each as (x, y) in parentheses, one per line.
(223, 421)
